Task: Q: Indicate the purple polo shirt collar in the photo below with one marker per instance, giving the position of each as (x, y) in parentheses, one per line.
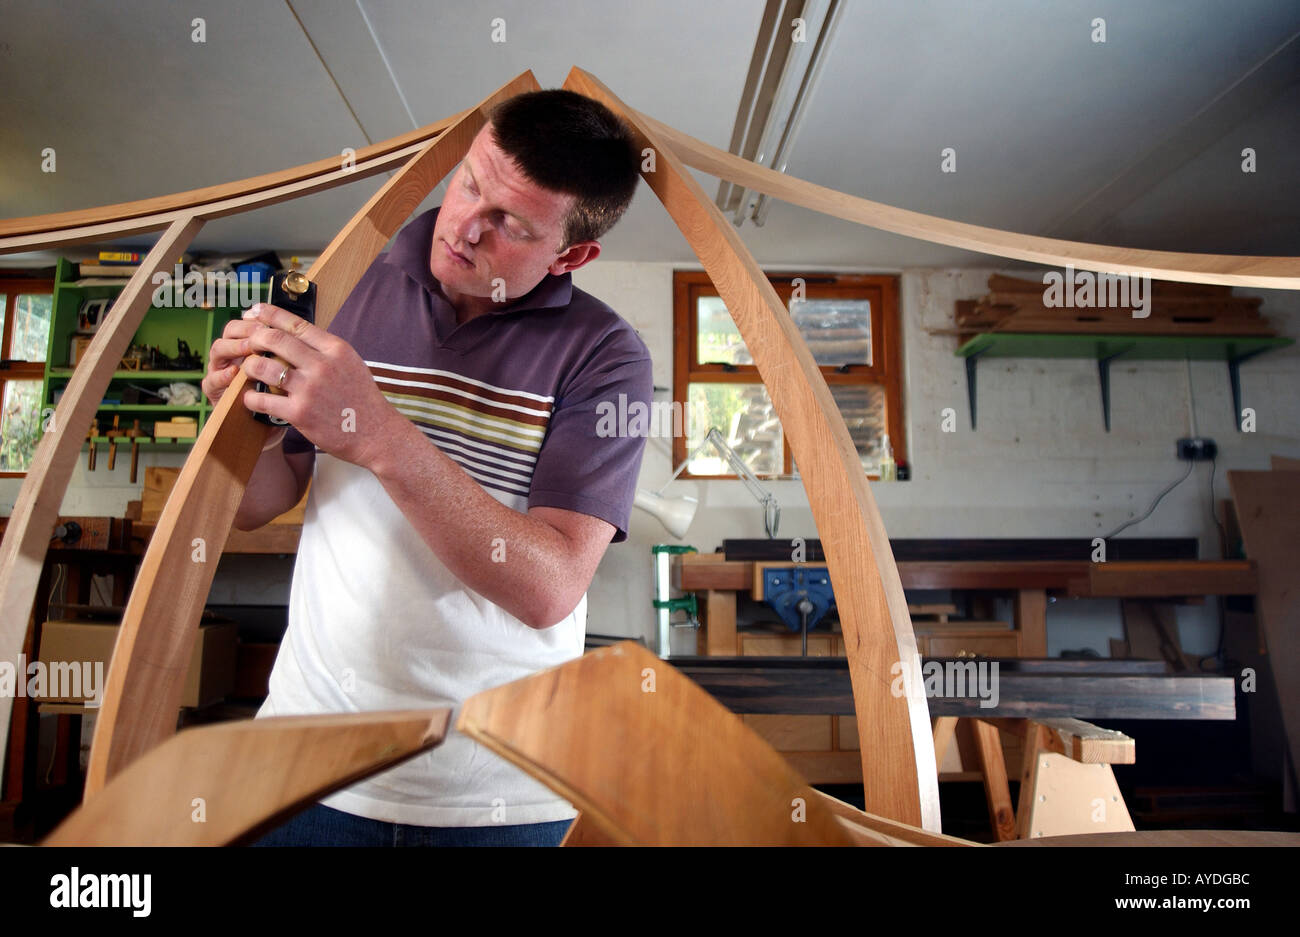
(410, 253)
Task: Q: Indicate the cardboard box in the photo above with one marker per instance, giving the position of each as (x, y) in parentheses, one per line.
(210, 677)
(158, 484)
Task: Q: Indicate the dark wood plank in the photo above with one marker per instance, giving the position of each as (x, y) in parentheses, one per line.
(797, 686)
(999, 549)
(1155, 578)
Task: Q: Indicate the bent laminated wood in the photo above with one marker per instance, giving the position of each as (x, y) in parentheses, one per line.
(1279, 273)
(35, 512)
(898, 769)
(201, 509)
(22, 551)
(160, 621)
(664, 765)
(193, 200)
(224, 784)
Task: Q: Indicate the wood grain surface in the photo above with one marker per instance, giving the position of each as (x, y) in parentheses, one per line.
(192, 199)
(647, 756)
(1279, 273)
(224, 784)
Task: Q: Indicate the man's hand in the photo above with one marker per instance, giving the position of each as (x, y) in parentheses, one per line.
(330, 396)
(225, 357)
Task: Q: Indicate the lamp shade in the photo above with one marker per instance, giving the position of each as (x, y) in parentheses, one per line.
(675, 514)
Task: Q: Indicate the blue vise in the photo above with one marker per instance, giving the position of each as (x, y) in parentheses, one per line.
(800, 595)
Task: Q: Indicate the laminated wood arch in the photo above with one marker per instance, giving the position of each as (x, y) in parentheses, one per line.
(161, 619)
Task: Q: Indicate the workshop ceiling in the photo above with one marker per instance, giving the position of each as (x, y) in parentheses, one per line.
(1134, 141)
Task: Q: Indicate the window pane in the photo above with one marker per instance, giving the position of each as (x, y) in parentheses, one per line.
(31, 327)
(744, 415)
(863, 409)
(719, 339)
(3, 299)
(838, 331)
(20, 425)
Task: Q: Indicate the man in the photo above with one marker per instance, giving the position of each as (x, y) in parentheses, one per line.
(461, 498)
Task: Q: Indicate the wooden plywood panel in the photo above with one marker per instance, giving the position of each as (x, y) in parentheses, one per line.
(1069, 798)
(1268, 511)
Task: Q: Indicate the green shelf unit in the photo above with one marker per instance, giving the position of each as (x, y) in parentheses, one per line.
(1105, 349)
(161, 326)
(140, 375)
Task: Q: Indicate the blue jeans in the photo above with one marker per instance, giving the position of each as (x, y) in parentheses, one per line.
(319, 825)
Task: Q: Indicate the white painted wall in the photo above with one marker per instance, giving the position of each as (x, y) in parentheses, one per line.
(1039, 465)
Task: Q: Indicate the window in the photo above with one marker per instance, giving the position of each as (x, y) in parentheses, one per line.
(850, 324)
(25, 307)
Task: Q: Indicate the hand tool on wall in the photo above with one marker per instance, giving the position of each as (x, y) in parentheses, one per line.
(134, 432)
(94, 431)
(112, 435)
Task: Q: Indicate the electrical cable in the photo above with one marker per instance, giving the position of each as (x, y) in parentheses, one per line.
(1154, 504)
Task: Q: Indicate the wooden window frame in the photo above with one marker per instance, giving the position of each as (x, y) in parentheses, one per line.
(11, 289)
(886, 368)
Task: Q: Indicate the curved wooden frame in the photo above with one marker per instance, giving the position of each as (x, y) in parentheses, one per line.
(161, 620)
(224, 784)
(898, 769)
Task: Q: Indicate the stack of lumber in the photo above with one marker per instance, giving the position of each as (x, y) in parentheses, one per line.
(1182, 309)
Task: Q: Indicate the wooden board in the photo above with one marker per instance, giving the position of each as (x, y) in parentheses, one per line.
(1268, 512)
(997, 791)
(181, 201)
(901, 781)
(225, 784)
(159, 626)
(1076, 689)
(1228, 269)
(1072, 798)
(108, 230)
(660, 763)
(1092, 745)
(1156, 578)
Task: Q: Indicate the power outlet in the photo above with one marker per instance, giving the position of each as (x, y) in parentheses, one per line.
(1196, 450)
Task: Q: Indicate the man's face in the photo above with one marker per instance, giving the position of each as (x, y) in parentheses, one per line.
(494, 223)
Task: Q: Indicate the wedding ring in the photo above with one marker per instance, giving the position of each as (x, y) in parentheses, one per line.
(283, 374)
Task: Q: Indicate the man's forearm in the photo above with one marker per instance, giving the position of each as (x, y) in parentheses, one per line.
(272, 489)
(516, 561)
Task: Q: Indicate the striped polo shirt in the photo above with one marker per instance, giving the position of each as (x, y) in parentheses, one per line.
(376, 621)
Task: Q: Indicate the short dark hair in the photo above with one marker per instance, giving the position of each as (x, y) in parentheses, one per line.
(572, 144)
